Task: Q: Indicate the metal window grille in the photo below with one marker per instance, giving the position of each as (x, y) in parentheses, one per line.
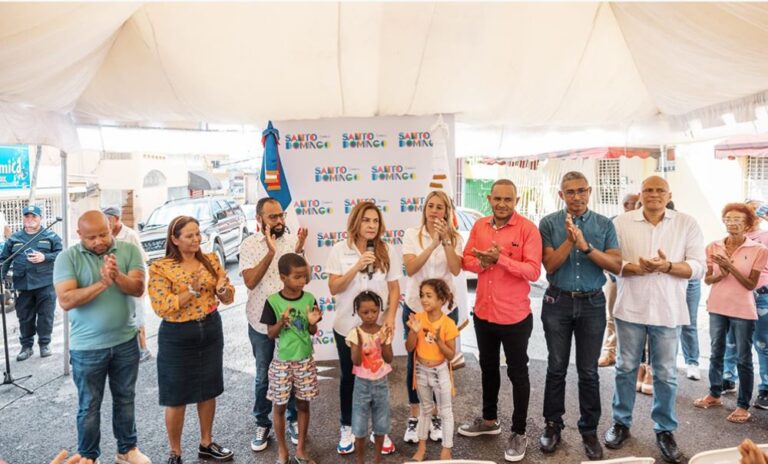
(757, 177)
(608, 187)
(51, 207)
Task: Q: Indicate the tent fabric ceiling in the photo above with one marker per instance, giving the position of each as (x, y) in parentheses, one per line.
(525, 66)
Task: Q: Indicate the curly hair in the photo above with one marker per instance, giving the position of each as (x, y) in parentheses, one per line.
(744, 209)
(441, 290)
(366, 295)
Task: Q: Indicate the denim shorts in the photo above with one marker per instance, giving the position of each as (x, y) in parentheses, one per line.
(370, 401)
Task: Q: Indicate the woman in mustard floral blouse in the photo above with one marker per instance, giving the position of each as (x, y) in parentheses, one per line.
(185, 288)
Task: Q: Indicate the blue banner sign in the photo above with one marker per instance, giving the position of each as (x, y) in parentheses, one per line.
(14, 167)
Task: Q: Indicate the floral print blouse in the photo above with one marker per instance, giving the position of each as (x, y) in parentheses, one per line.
(167, 279)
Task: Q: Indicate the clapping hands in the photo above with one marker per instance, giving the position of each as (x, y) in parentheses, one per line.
(487, 257)
(726, 266)
(314, 315)
(109, 270)
(656, 264)
(413, 323)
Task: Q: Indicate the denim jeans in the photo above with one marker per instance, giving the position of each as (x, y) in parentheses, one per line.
(413, 398)
(434, 387)
(689, 335)
(263, 350)
(662, 347)
(583, 319)
(370, 400)
(35, 310)
(514, 339)
(760, 340)
(90, 369)
(743, 330)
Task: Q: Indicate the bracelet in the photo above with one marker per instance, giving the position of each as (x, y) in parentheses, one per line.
(222, 290)
(446, 242)
(669, 268)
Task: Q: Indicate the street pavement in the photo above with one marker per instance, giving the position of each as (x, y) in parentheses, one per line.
(34, 427)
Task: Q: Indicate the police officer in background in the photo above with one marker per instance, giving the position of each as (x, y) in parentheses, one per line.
(33, 280)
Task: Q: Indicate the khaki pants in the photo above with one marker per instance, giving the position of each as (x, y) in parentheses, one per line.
(609, 342)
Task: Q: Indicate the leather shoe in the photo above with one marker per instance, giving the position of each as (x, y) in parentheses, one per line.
(550, 438)
(592, 447)
(616, 435)
(668, 447)
(24, 354)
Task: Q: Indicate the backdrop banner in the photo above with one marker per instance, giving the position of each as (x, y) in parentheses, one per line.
(333, 164)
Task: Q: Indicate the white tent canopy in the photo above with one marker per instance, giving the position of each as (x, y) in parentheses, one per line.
(527, 67)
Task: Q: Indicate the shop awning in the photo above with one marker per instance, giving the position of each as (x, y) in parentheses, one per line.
(750, 145)
(203, 180)
(532, 161)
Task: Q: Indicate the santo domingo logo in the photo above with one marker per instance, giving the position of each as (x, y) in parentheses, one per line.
(318, 272)
(350, 203)
(362, 140)
(336, 174)
(328, 239)
(393, 236)
(414, 139)
(391, 172)
(411, 204)
(323, 337)
(308, 141)
(326, 303)
(312, 207)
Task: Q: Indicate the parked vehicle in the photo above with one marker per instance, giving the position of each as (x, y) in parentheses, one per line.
(222, 225)
(250, 218)
(466, 218)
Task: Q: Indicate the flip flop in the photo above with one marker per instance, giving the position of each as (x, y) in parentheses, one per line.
(740, 419)
(298, 460)
(705, 403)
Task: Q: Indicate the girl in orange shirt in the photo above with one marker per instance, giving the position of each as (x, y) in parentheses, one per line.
(432, 336)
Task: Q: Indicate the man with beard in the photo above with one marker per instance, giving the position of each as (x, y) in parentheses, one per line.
(505, 251)
(259, 254)
(578, 245)
(94, 281)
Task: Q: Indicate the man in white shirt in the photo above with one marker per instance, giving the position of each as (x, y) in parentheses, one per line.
(124, 233)
(661, 249)
(259, 254)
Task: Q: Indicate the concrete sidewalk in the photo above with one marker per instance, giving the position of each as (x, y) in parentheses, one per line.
(34, 427)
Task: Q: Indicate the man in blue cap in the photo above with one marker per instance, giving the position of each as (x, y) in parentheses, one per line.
(33, 279)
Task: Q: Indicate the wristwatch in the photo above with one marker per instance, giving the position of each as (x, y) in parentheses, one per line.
(589, 249)
(194, 292)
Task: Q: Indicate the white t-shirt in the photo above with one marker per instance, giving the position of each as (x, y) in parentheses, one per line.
(340, 260)
(436, 267)
(129, 235)
(252, 251)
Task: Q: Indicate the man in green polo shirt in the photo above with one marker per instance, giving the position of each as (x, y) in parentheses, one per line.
(94, 280)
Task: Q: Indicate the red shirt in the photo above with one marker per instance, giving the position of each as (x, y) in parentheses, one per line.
(503, 288)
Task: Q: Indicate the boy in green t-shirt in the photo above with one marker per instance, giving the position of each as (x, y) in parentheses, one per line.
(291, 316)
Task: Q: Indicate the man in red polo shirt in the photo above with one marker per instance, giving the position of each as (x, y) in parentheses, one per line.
(505, 252)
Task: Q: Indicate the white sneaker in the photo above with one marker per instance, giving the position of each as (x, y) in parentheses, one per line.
(410, 431)
(388, 447)
(436, 429)
(692, 372)
(133, 456)
(346, 441)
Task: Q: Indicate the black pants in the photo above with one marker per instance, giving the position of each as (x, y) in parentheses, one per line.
(514, 339)
(347, 381)
(35, 310)
(583, 320)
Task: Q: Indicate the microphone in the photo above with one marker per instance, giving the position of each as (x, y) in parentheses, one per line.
(57, 219)
(371, 269)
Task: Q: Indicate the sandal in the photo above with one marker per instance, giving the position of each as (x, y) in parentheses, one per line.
(707, 402)
(739, 416)
(298, 460)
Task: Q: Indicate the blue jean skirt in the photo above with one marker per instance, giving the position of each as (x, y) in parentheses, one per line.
(189, 361)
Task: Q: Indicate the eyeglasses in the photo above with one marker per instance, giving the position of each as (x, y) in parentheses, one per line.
(572, 193)
(275, 217)
(733, 220)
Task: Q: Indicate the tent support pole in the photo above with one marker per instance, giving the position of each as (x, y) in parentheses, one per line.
(65, 240)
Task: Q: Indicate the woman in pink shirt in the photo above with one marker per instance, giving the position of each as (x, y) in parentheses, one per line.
(733, 270)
